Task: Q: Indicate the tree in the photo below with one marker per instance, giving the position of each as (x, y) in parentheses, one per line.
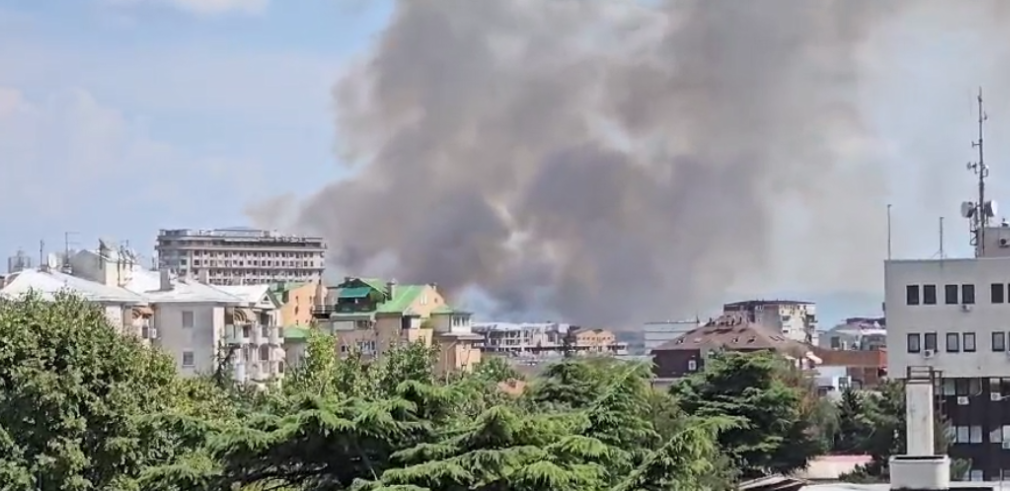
(761, 393)
(76, 398)
(854, 424)
(885, 410)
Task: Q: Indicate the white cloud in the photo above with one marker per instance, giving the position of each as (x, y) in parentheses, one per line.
(203, 7)
(66, 152)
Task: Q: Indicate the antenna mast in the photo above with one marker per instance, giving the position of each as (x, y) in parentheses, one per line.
(981, 211)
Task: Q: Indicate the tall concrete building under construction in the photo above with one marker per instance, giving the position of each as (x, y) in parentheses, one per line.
(241, 256)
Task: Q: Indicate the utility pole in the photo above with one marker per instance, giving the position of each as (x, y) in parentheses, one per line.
(981, 215)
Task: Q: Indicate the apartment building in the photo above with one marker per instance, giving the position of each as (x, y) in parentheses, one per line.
(950, 315)
(521, 339)
(371, 315)
(199, 325)
(796, 320)
(730, 332)
(296, 300)
(241, 256)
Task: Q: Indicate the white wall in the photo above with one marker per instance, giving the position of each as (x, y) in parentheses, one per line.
(202, 339)
(982, 318)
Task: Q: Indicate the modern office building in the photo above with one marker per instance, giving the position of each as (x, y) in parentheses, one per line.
(952, 315)
(241, 256)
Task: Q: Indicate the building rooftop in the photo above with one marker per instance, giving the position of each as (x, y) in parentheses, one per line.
(754, 303)
(49, 282)
(731, 331)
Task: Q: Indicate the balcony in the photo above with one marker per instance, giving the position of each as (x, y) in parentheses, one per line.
(342, 308)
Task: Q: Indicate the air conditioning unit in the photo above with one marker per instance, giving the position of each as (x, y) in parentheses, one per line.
(1006, 445)
(965, 307)
(152, 333)
(962, 400)
(928, 353)
(995, 396)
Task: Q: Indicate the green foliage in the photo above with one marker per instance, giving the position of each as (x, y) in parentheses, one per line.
(770, 404)
(854, 424)
(884, 411)
(76, 399)
(84, 408)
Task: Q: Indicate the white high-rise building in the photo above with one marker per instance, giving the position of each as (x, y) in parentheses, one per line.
(241, 256)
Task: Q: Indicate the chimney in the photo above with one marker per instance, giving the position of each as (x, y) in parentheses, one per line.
(391, 289)
(166, 280)
(204, 276)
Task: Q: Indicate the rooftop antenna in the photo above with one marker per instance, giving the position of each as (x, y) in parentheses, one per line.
(981, 211)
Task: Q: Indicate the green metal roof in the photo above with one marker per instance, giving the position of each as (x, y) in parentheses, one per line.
(403, 296)
(356, 292)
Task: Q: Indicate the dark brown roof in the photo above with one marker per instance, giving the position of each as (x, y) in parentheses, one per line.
(732, 331)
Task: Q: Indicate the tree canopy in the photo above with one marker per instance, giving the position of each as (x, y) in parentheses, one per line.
(84, 408)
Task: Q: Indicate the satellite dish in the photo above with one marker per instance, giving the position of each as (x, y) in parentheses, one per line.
(967, 209)
(991, 208)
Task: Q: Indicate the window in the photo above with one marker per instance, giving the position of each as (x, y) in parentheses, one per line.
(961, 434)
(975, 434)
(187, 359)
(962, 387)
(836, 342)
(912, 295)
(949, 387)
(914, 345)
(997, 293)
(968, 294)
(968, 342)
(953, 342)
(929, 294)
(187, 318)
(950, 294)
(264, 353)
(929, 341)
(999, 341)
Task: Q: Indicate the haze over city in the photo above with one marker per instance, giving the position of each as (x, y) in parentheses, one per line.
(459, 143)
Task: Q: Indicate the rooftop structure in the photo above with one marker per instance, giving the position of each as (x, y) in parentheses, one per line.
(236, 256)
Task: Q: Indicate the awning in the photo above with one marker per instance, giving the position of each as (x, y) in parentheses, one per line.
(356, 292)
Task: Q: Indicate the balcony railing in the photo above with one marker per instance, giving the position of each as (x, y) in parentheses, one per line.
(327, 310)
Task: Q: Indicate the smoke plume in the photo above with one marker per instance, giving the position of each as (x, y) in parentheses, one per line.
(611, 160)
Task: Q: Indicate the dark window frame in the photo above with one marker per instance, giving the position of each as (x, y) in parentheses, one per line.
(968, 294)
(913, 296)
(913, 342)
(998, 341)
(929, 294)
(951, 295)
(929, 341)
(953, 342)
(997, 293)
(965, 343)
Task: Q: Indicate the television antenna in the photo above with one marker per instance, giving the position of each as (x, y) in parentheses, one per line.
(979, 212)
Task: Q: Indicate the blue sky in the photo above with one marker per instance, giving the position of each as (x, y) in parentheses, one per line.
(119, 117)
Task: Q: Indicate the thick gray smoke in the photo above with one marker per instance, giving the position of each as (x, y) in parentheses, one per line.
(610, 160)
